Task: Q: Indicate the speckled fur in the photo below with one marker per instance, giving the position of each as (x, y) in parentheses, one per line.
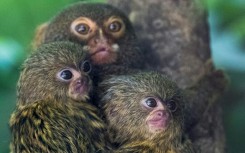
(46, 119)
(58, 29)
(122, 95)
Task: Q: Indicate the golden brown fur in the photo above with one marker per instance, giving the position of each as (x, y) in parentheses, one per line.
(106, 33)
(127, 120)
(53, 112)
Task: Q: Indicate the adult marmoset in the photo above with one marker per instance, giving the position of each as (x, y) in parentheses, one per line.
(144, 113)
(101, 29)
(53, 112)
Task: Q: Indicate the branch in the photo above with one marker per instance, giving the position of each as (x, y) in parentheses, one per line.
(175, 37)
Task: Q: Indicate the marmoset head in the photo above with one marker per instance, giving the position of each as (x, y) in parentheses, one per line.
(55, 71)
(141, 106)
(100, 28)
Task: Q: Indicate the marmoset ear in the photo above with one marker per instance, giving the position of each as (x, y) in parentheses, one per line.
(39, 35)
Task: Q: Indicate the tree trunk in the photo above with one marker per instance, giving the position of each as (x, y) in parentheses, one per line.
(175, 36)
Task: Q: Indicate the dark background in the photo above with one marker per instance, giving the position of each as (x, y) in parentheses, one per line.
(18, 20)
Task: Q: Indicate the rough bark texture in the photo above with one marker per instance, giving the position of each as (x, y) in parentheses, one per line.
(175, 36)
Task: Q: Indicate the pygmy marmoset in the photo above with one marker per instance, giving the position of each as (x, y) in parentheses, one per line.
(144, 113)
(101, 29)
(53, 112)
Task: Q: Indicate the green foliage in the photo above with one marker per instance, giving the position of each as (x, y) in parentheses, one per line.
(20, 18)
(230, 22)
(231, 15)
(229, 18)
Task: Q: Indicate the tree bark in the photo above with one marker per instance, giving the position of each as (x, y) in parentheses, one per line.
(175, 37)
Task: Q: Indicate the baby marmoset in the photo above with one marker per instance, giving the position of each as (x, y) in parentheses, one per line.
(144, 113)
(101, 29)
(53, 112)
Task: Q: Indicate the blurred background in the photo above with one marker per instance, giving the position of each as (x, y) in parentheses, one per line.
(18, 20)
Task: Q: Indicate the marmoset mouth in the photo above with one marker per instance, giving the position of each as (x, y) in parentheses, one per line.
(80, 88)
(159, 121)
(101, 52)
